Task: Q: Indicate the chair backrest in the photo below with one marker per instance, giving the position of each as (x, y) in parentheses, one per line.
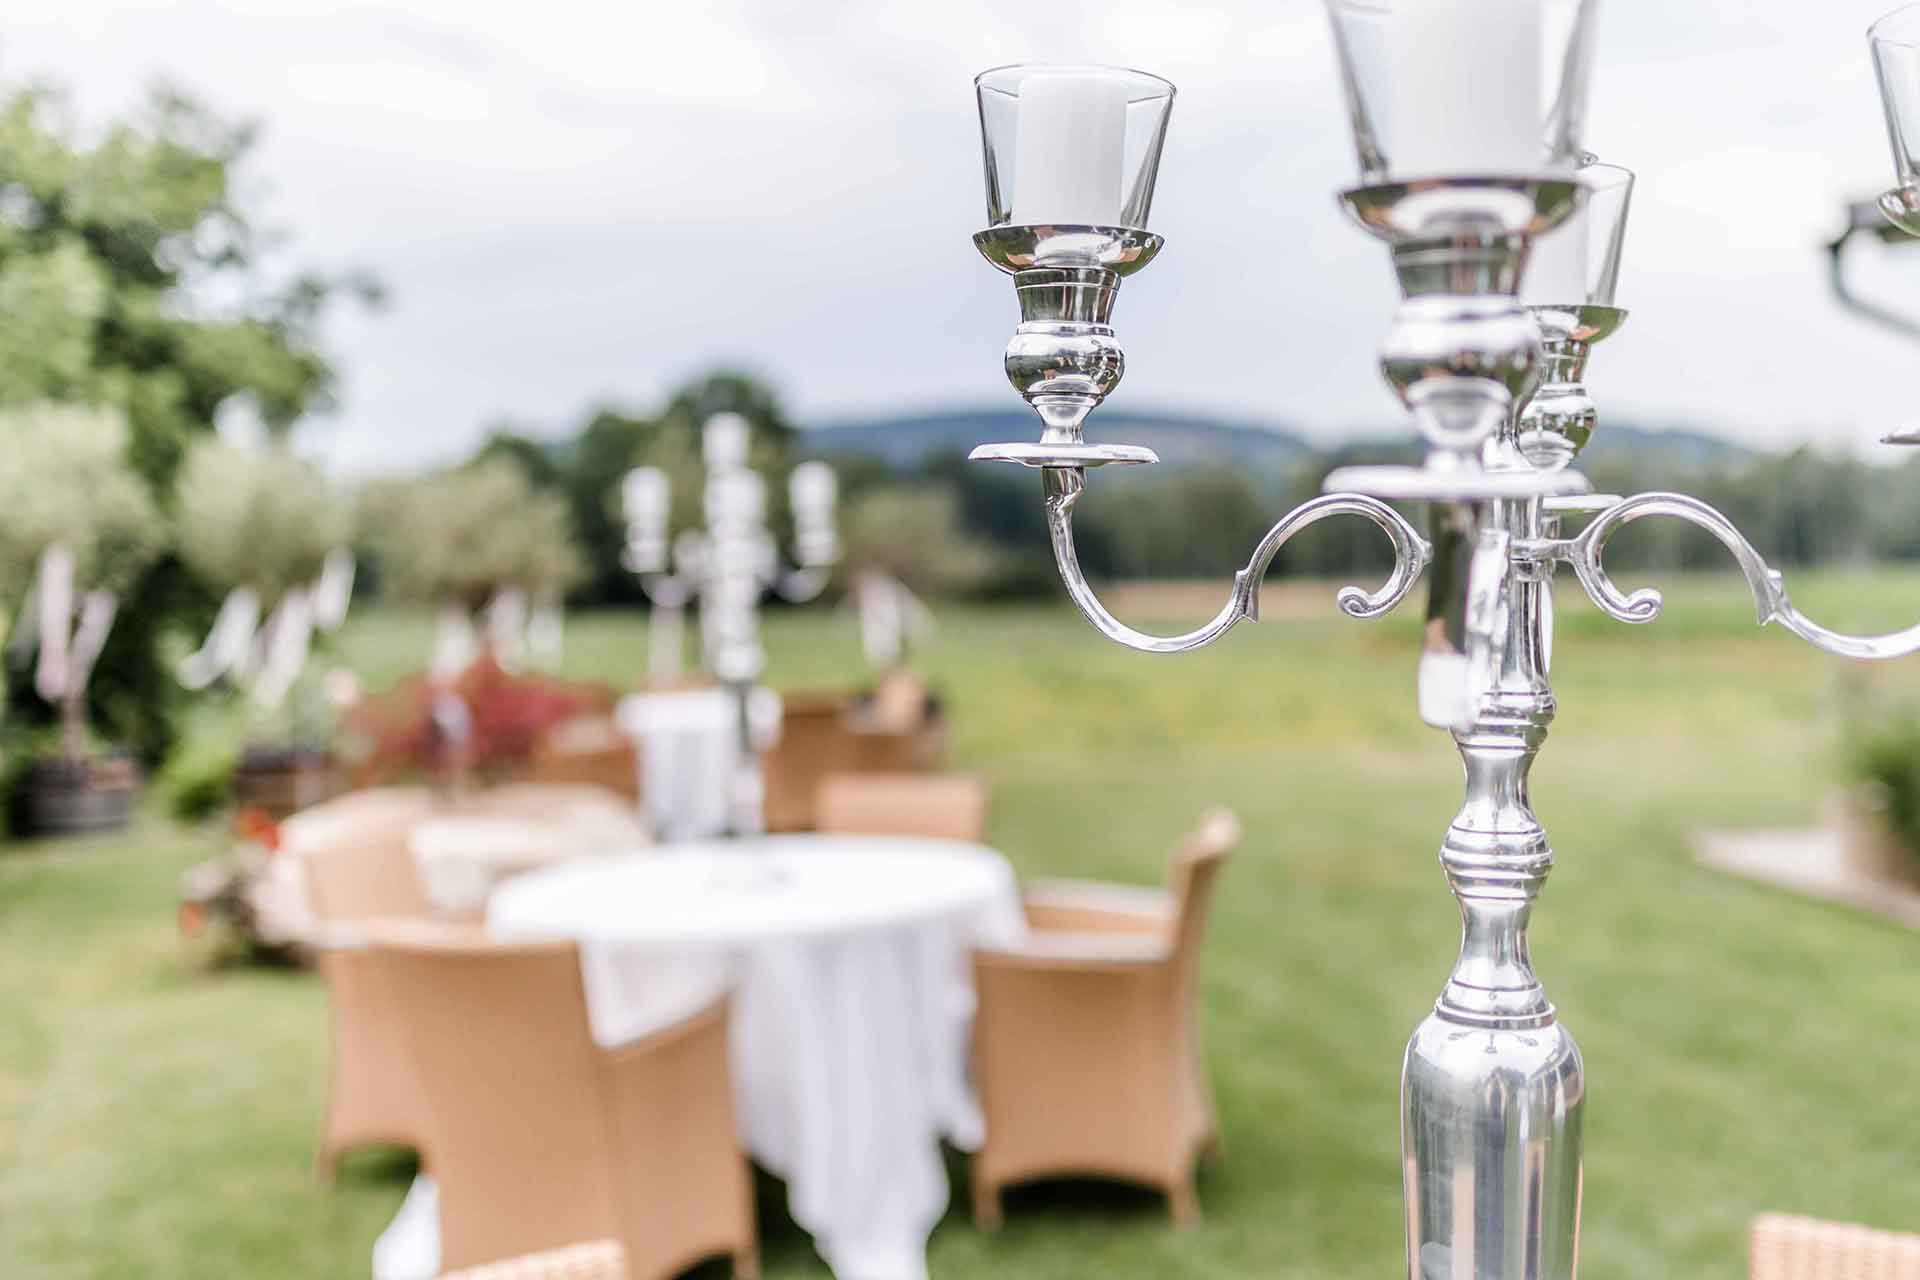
(537, 801)
(1794, 1248)
(357, 861)
(596, 1260)
(1196, 866)
(588, 749)
(517, 1121)
(948, 806)
(813, 743)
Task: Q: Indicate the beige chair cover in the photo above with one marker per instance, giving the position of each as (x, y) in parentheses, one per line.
(944, 805)
(538, 1137)
(1087, 1043)
(1791, 1248)
(596, 1260)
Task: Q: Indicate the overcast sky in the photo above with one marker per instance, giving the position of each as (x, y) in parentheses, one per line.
(582, 201)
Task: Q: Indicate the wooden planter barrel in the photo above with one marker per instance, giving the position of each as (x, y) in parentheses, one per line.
(69, 797)
(281, 787)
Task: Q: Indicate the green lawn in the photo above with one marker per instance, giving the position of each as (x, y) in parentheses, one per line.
(1746, 1050)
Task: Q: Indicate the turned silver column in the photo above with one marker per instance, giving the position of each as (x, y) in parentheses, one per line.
(1492, 1089)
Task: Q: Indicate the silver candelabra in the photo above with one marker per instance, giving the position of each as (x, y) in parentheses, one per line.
(1493, 1090)
(729, 566)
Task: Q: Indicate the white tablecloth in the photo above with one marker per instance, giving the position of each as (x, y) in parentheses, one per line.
(689, 751)
(848, 958)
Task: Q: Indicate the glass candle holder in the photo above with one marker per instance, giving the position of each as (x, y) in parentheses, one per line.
(1071, 146)
(724, 441)
(644, 498)
(1569, 288)
(1578, 262)
(1439, 88)
(1895, 43)
(812, 489)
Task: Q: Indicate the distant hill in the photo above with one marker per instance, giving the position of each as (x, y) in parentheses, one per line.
(1675, 446)
(912, 440)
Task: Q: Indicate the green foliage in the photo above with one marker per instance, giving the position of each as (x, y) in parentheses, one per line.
(588, 469)
(1880, 748)
(915, 535)
(131, 279)
(259, 519)
(66, 481)
(103, 239)
(197, 780)
(462, 534)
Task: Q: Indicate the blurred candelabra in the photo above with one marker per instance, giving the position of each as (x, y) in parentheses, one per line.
(728, 566)
(1865, 221)
(1467, 118)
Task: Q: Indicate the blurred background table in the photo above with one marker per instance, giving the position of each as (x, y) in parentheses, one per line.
(462, 855)
(848, 959)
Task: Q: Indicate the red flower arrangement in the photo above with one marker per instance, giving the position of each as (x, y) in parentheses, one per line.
(503, 714)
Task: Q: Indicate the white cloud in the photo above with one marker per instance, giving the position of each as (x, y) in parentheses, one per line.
(579, 200)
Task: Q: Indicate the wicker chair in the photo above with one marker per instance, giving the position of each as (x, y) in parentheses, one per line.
(540, 1138)
(813, 743)
(588, 749)
(373, 1096)
(947, 806)
(353, 851)
(1087, 1043)
(1792, 1248)
(597, 1260)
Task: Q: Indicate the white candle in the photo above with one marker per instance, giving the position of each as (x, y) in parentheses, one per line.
(1466, 87)
(1070, 149)
(1557, 273)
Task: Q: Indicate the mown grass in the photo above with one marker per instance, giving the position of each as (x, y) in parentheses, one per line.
(1746, 1050)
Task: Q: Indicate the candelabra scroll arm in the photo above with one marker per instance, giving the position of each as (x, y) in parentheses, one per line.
(666, 590)
(1064, 486)
(798, 586)
(1769, 589)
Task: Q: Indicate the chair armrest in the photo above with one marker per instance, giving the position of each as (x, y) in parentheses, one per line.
(1072, 906)
(1099, 951)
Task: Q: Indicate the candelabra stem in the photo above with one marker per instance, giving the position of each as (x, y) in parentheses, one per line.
(1492, 1090)
(747, 788)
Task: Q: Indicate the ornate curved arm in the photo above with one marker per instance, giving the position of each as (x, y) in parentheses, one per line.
(1411, 552)
(1769, 589)
(797, 586)
(666, 590)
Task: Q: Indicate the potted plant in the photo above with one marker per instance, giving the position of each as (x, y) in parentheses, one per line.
(265, 528)
(79, 530)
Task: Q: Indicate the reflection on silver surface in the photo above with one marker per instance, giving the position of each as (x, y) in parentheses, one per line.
(1493, 1089)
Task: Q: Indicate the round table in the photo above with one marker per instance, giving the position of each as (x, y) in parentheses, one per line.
(848, 960)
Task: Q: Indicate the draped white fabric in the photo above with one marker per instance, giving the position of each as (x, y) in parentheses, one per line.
(689, 750)
(848, 959)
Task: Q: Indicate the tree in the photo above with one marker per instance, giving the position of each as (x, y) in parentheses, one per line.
(460, 536)
(102, 245)
(133, 278)
(66, 486)
(264, 520)
(613, 441)
(913, 533)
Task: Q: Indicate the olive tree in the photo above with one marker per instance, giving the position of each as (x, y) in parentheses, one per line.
(79, 530)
